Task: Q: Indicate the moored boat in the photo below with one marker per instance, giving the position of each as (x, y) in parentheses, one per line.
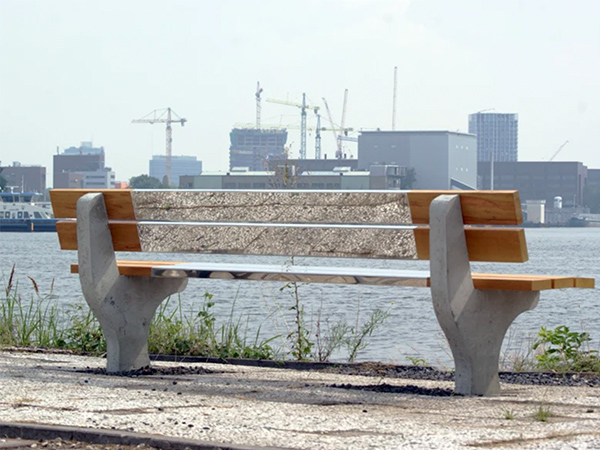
(20, 212)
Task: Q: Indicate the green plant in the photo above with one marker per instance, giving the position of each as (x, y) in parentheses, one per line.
(562, 350)
(508, 414)
(196, 334)
(301, 345)
(356, 340)
(416, 361)
(542, 413)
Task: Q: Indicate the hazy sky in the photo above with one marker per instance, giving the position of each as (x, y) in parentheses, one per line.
(80, 70)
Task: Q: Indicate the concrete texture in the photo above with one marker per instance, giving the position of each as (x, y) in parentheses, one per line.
(283, 408)
(124, 306)
(474, 321)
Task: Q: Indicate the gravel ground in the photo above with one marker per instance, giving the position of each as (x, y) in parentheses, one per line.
(364, 406)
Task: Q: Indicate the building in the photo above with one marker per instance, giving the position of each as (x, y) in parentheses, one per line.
(251, 147)
(538, 180)
(24, 178)
(180, 165)
(286, 177)
(497, 134)
(438, 159)
(82, 167)
(312, 165)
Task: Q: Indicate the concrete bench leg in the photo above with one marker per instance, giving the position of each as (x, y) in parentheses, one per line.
(124, 306)
(474, 321)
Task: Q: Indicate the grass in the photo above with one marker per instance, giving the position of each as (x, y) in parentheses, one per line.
(542, 413)
(39, 322)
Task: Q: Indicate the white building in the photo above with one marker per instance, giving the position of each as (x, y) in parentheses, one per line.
(440, 159)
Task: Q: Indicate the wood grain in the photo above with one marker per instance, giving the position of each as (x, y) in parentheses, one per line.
(124, 235)
(478, 207)
(483, 281)
(119, 205)
(483, 244)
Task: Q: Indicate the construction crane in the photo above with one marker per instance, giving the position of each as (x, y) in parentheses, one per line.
(558, 151)
(335, 135)
(342, 124)
(164, 116)
(258, 106)
(343, 135)
(394, 99)
(303, 107)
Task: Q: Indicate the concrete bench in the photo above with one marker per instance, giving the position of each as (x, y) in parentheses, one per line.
(448, 228)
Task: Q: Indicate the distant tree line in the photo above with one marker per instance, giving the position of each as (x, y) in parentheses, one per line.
(591, 198)
(147, 182)
(2, 181)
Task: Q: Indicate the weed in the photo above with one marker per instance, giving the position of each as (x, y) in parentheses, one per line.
(356, 341)
(508, 414)
(562, 351)
(416, 361)
(542, 413)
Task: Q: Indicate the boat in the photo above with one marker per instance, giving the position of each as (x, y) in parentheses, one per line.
(19, 212)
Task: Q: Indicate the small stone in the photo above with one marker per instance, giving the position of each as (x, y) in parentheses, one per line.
(589, 410)
(206, 428)
(191, 425)
(364, 410)
(174, 382)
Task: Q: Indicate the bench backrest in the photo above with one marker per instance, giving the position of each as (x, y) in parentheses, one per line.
(373, 224)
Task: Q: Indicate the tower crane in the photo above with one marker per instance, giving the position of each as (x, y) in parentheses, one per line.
(558, 151)
(343, 135)
(164, 116)
(303, 107)
(343, 124)
(394, 98)
(258, 106)
(335, 135)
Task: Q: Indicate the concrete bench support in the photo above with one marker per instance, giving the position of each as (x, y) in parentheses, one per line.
(473, 321)
(124, 306)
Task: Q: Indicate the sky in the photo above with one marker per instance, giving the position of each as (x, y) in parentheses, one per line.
(82, 70)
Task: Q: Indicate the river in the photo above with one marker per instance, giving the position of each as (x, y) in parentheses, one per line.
(410, 331)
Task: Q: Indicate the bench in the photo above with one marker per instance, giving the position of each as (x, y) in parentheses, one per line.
(448, 228)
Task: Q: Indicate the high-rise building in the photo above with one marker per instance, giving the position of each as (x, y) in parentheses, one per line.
(82, 167)
(251, 147)
(496, 133)
(180, 165)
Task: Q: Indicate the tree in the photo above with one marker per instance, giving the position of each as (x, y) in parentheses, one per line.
(591, 198)
(409, 179)
(2, 181)
(145, 182)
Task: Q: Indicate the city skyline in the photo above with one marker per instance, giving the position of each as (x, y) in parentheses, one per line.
(72, 72)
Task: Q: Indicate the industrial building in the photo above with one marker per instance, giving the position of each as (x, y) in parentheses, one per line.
(497, 135)
(538, 180)
(180, 165)
(440, 159)
(251, 147)
(24, 178)
(82, 167)
(286, 177)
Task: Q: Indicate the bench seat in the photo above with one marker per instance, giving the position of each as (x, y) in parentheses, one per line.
(338, 275)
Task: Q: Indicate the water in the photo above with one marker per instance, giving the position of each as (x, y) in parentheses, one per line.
(411, 330)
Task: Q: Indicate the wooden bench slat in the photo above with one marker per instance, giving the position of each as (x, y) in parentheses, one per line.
(484, 281)
(389, 207)
(483, 243)
(478, 207)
